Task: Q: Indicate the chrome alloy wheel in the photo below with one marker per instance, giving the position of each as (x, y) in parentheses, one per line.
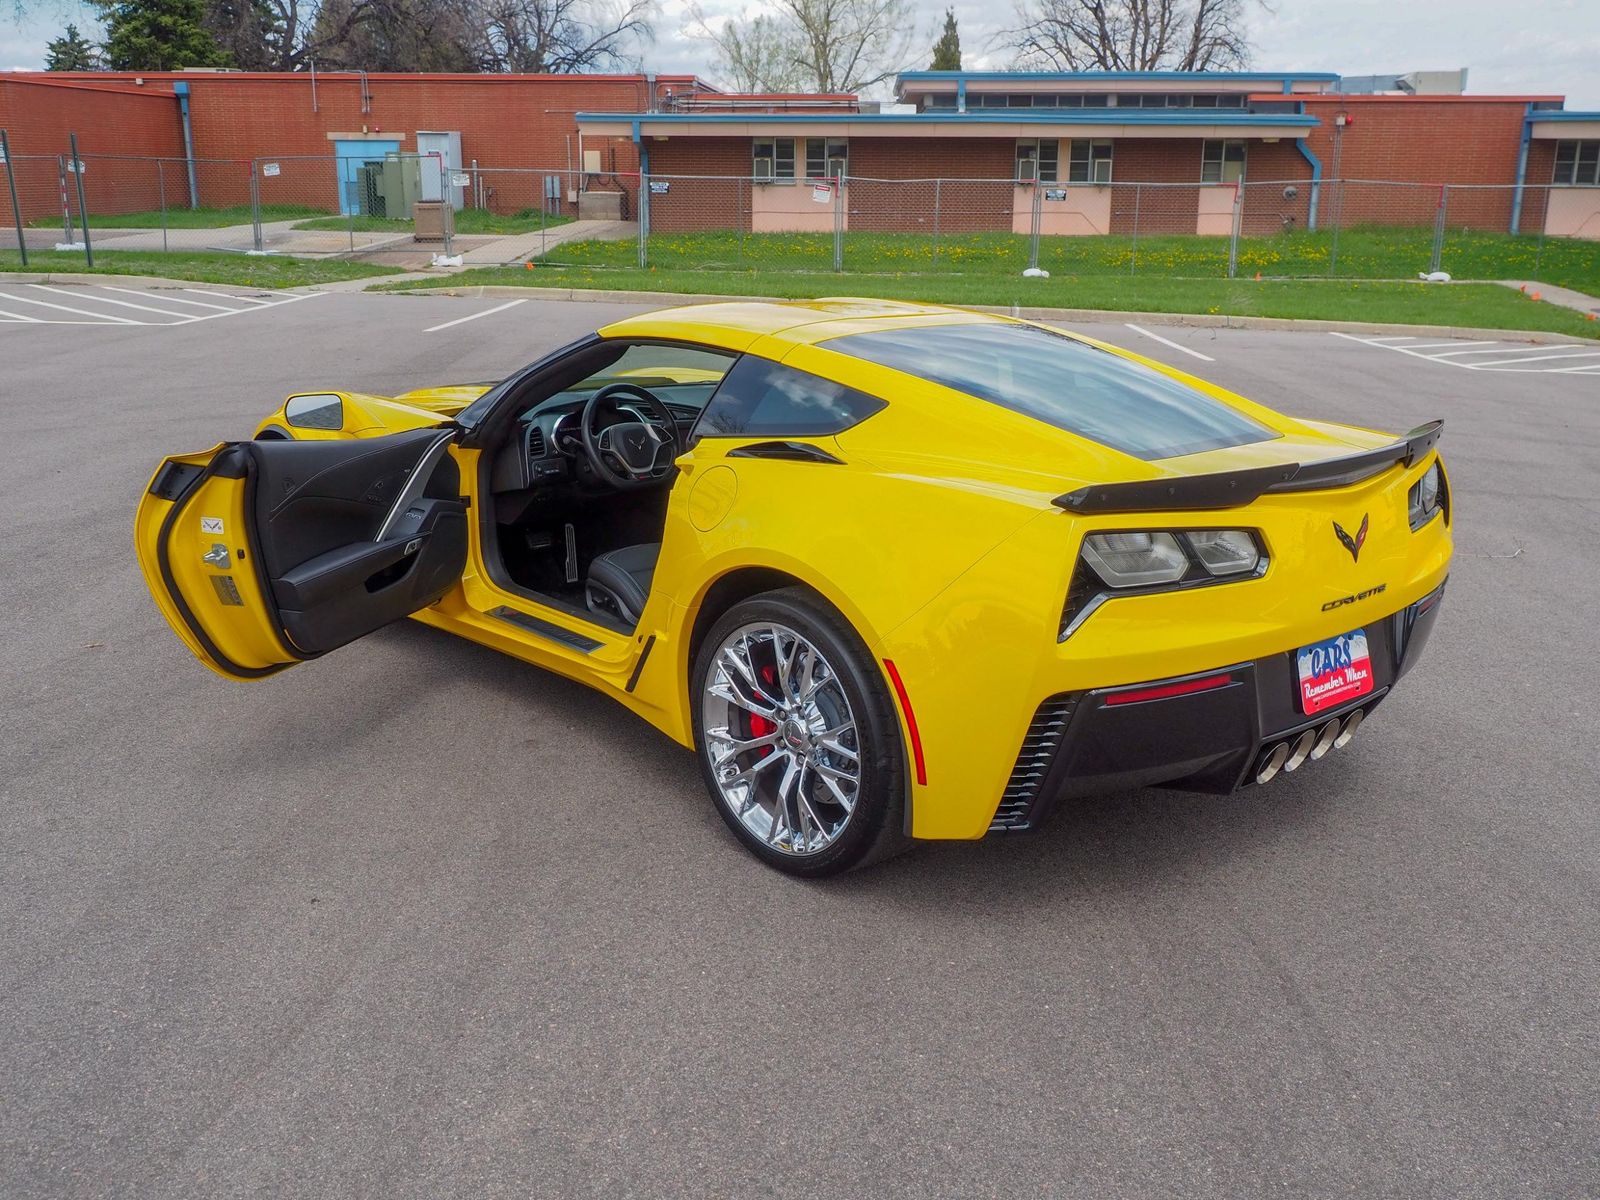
(782, 740)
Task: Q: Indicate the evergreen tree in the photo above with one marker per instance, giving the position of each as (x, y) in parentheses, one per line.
(71, 52)
(157, 35)
(947, 50)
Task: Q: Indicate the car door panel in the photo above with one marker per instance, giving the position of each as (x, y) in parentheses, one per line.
(261, 554)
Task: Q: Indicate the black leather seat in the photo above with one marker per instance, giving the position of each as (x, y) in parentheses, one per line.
(619, 581)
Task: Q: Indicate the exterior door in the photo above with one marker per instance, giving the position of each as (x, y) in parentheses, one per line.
(264, 554)
(350, 157)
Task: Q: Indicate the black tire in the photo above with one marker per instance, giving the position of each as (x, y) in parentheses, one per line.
(875, 829)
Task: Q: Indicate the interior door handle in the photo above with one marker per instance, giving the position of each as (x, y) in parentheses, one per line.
(339, 570)
(416, 482)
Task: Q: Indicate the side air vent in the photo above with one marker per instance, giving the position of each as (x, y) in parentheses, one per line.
(535, 443)
(1033, 763)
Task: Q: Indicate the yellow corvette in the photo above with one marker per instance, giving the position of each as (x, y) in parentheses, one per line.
(892, 571)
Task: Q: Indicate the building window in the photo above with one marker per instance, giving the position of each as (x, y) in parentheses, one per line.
(1090, 161)
(1037, 160)
(1222, 162)
(774, 159)
(1578, 162)
(827, 158)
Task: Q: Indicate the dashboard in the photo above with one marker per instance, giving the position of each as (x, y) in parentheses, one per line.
(547, 448)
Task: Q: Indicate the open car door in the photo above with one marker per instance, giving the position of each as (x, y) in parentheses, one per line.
(263, 554)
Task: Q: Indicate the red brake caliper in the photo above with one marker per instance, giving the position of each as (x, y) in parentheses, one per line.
(760, 726)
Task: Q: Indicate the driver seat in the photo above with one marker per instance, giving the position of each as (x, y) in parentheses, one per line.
(619, 581)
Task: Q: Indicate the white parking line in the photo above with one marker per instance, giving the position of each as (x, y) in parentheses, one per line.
(273, 304)
(1502, 358)
(1499, 349)
(199, 310)
(1156, 337)
(228, 295)
(82, 312)
(165, 312)
(180, 299)
(488, 312)
(1541, 358)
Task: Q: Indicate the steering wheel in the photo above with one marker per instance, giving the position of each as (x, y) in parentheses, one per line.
(630, 454)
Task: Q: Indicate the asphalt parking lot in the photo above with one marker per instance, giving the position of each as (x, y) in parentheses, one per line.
(418, 920)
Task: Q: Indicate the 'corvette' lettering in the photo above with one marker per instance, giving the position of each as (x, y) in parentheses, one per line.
(1343, 600)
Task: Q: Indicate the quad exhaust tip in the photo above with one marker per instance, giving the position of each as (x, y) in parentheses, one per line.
(1273, 764)
(1312, 744)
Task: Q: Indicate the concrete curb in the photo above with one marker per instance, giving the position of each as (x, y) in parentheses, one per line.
(1080, 316)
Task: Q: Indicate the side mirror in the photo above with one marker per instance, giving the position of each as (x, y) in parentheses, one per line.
(315, 412)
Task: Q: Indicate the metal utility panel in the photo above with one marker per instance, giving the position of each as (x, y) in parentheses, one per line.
(401, 184)
(448, 145)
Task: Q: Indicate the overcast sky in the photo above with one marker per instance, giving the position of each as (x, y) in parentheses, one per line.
(1533, 46)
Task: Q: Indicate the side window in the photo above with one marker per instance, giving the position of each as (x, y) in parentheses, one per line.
(761, 398)
(826, 158)
(1222, 162)
(1578, 163)
(1036, 159)
(1090, 162)
(773, 158)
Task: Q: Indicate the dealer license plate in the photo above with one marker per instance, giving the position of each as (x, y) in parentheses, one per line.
(1334, 672)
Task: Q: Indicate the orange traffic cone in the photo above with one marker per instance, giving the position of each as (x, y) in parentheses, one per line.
(1533, 295)
(529, 266)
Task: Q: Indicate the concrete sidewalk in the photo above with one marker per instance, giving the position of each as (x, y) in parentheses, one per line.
(280, 237)
(522, 246)
(1566, 297)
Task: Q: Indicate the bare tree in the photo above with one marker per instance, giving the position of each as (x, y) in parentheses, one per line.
(755, 54)
(819, 45)
(561, 35)
(1130, 35)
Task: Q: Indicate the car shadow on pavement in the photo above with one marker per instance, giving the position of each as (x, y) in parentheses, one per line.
(1094, 845)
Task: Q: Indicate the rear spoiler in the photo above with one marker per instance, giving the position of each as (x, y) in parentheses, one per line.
(1230, 489)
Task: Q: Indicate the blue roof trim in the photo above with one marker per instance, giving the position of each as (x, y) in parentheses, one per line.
(1021, 116)
(1561, 114)
(1123, 76)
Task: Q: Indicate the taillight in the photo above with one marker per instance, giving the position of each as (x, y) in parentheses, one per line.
(1138, 562)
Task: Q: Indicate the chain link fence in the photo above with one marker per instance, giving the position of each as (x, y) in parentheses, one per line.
(343, 204)
(1294, 229)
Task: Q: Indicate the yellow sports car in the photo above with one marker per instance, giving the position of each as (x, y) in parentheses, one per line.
(893, 571)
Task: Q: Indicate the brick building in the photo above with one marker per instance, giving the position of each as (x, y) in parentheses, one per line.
(316, 127)
(1103, 152)
(1195, 142)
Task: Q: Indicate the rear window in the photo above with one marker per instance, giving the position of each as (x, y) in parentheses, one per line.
(1051, 377)
(761, 398)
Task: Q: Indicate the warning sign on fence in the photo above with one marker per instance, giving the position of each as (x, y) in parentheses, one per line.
(822, 193)
(269, 169)
(459, 179)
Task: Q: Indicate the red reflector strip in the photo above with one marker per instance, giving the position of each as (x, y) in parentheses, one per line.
(1167, 691)
(911, 721)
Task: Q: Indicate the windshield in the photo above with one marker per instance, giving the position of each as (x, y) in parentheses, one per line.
(1063, 382)
(682, 376)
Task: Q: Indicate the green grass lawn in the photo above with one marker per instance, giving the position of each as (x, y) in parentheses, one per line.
(184, 218)
(1482, 306)
(468, 221)
(1361, 253)
(267, 271)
